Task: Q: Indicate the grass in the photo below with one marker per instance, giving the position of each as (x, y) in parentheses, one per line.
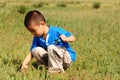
(22, 9)
(97, 45)
(61, 4)
(96, 5)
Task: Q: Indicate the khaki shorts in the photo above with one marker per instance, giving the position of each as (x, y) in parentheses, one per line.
(55, 58)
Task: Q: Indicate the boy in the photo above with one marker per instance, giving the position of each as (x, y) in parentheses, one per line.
(50, 44)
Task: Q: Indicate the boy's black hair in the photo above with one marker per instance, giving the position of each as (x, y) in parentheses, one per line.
(33, 16)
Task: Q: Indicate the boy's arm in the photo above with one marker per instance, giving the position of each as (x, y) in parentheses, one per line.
(67, 39)
(26, 61)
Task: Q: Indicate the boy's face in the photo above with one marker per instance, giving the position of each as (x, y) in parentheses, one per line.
(36, 30)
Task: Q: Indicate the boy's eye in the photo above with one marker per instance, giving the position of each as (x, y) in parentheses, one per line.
(32, 30)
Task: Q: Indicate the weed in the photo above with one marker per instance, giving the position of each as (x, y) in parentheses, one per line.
(74, 2)
(22, 9)
(61, 4)
(40, 4)
(2, 5)
(96, 5)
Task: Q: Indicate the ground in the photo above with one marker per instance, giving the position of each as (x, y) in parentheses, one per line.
(97, 42)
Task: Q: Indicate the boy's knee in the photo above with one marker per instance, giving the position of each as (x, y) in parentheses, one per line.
(51, 47)
(36, 50)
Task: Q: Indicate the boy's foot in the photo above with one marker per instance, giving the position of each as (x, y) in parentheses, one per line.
(55, 70)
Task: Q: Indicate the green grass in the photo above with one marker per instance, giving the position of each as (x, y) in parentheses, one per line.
(97, 40)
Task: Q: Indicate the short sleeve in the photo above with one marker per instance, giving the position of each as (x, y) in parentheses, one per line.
(62, 31)
(34, 43)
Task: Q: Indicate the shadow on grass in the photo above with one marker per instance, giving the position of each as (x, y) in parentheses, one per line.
(18, 64)
(37, 66)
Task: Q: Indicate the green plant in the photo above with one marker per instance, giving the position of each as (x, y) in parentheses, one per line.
(61, 4)
(40, 4)
(2, 5)
(22, 9)
(96, 5)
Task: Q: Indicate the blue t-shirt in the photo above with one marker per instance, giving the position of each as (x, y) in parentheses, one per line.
(53, 38)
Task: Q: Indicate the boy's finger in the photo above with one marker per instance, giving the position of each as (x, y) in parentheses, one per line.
(23, 67)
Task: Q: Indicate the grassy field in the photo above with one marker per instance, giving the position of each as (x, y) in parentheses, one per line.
(97, 42)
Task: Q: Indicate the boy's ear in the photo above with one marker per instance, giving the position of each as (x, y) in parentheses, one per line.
(42, 22)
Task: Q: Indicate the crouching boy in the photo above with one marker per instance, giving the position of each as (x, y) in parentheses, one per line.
(50, 44)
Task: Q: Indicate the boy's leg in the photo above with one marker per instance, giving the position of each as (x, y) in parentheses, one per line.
(57, 56)
(40, 55)
(67, 61)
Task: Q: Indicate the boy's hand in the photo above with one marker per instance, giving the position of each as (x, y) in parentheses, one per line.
(63, 37)
(24, 66)
(26, 61)
(67, 39)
